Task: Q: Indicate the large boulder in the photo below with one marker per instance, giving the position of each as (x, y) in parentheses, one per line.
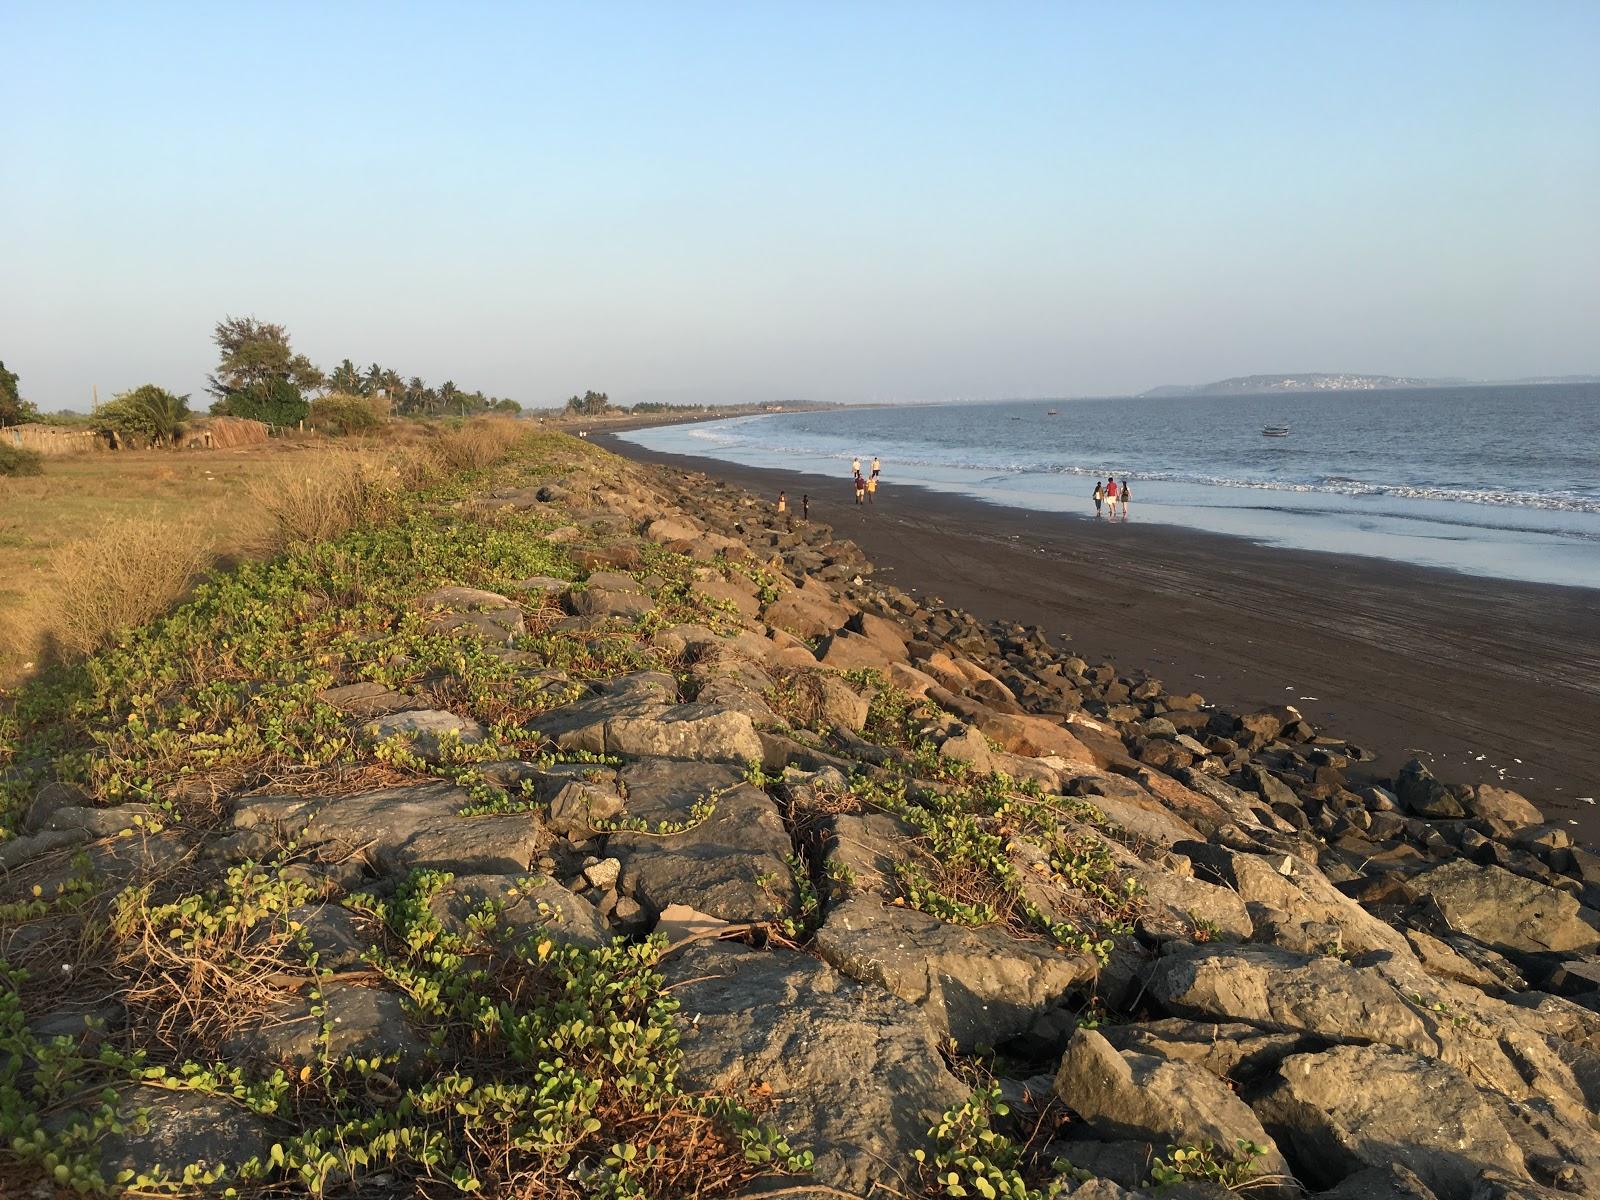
(1356, 1107)
(702, 732)
(850, 1072)
(1502, 804)
(810, 611)
(1165, 1103)
(1279, 990)
(729, 857)
(979, 987)
(1507, 911)
(400, 829)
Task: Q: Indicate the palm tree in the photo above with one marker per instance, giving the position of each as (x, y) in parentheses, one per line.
(346, 378)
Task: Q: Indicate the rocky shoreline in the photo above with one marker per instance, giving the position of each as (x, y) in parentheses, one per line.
(951, 910)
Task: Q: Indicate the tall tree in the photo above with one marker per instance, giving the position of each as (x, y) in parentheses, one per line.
(256, 353)
(14, 410)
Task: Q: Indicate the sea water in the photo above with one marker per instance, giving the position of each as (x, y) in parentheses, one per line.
(1501, 481)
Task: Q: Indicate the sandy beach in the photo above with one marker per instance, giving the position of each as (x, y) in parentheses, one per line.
(1487, 680)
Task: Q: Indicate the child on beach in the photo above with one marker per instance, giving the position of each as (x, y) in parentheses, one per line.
(1099, 496)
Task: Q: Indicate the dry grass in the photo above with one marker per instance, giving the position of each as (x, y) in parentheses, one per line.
(104, 540)
(316, 498)
(129, 572)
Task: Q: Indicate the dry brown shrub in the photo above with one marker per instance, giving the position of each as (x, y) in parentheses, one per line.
(479, 443)
(318, 497)
(129, 572)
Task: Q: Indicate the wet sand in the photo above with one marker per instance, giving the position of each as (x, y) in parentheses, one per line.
(1469, 674)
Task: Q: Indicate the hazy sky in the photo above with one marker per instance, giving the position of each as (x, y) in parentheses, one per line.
(825, 200)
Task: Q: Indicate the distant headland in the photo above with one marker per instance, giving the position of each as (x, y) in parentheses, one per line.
(1320, 381)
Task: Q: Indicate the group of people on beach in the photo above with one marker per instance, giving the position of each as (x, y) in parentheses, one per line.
(866, 485)
(1107, 492)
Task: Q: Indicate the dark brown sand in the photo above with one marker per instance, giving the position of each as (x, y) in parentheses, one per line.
(1475, 676)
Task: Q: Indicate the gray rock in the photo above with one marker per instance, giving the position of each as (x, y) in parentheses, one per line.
(174, 1129)
(485, 615)
(1422, 794)
(428, 729)
(333, 936)
(1291, 901)
(700, 732)
(1392, 1182)
(1355, 1107)
(1507, 911)
(360, 1021)
(1168, 1104)
(866, 846)
(854, 1073)
(731, 865)
(1228, 1050)
(1502, 804)
(1287, 992)
(367, 699)
(399, 829)
(976, 986)
(578, 808)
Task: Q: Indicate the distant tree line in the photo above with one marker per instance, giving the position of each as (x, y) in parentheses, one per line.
(260, 377)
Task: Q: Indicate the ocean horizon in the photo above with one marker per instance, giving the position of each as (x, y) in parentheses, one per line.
(1500, 481)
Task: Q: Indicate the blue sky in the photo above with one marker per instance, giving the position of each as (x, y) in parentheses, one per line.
(759, 201)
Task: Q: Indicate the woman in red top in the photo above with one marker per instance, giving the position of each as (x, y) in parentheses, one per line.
(1111, 496)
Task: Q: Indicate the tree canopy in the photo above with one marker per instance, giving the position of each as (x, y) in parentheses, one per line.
(590, 404)
(256, 353)
(14, 410)
(413, 397)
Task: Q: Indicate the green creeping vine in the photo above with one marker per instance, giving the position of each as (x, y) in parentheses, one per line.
(969, 823)
(1236, 1170)
(559, 1077)
(971, 1159)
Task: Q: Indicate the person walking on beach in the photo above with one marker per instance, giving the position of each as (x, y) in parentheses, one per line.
(1111, 497)
(855, 466)
(872, 488)
(861, 488)
(805, 506)
(875, 466)
(783, 510)
(1099, 497)
(1126, 496)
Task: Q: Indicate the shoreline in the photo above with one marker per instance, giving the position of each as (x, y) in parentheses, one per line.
(1406, 660)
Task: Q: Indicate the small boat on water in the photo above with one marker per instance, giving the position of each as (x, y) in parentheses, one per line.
(1051, 413)
(1274, 431)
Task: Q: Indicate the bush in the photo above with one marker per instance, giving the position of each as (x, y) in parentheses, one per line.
(127, 573)
(277, 403)
(342, 414)
(149, 413)
(479, 443)
(19, 460)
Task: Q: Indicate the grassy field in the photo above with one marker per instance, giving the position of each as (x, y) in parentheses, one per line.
(80, 495)
(102, 540)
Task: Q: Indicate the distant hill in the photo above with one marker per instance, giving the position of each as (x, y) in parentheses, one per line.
(1319, 381)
